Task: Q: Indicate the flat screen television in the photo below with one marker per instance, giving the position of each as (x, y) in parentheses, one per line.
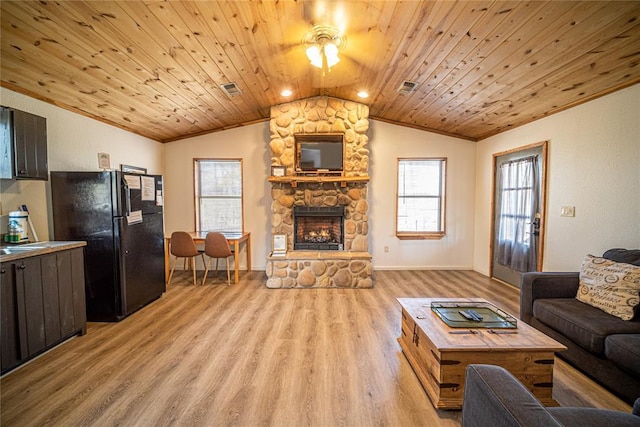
(319, 153)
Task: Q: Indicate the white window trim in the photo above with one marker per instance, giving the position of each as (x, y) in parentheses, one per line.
(423, 235)
(196, 183)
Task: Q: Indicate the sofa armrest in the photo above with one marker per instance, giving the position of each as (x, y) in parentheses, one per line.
(535, 285)
(494, 397)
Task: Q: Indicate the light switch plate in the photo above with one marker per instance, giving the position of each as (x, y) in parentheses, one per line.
(568, 211)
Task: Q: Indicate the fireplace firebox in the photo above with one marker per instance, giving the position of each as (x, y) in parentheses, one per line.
(318, 228)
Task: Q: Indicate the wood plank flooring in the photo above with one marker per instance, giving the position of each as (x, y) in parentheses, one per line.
(246, 355)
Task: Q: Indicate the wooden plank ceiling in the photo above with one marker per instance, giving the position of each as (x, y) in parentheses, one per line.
(155, 68)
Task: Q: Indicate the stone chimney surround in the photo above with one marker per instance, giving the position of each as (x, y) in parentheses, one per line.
(348, 268)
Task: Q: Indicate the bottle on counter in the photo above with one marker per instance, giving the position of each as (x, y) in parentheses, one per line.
(12, 233)
(17, 227)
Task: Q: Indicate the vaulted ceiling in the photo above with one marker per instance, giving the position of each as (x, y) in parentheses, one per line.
(156, 68)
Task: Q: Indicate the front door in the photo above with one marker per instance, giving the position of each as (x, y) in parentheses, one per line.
(518, 212)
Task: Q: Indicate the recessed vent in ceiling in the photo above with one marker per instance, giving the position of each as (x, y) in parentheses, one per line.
(231, 89)
(407, 87)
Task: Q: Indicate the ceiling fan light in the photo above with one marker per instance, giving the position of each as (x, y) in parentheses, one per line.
(331, 52)
(332, 61)
(313, 53)
(323, 43)
(317, 62)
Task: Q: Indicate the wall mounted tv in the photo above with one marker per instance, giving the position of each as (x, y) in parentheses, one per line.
(319, 153)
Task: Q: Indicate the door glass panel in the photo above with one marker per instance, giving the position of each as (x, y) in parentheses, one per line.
(517, 201)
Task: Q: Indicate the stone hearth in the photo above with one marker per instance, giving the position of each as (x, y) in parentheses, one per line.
(350, 267)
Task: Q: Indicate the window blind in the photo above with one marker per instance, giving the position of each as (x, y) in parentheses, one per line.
(218, 195)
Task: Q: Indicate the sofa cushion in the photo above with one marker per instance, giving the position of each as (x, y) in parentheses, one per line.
(593, 417)
(583, 324)
(624, 351)
(628, 256)
(493, 397)
(613, 287)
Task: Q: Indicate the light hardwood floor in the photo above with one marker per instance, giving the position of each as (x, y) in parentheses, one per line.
(250, 356)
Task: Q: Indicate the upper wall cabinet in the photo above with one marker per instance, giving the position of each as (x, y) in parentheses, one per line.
(23, 145)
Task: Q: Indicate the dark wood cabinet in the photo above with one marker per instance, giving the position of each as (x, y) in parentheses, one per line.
(42, 302)
(28, 284)
(23, 145)
(9, 335)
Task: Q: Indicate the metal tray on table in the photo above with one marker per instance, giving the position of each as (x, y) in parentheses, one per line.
(487, 315)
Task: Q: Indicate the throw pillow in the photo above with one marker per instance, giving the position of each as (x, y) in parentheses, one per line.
(613, 287)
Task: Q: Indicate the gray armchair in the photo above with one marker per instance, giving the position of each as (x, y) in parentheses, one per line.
(493, 397)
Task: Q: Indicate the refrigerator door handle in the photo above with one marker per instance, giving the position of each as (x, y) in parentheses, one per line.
(127, 198)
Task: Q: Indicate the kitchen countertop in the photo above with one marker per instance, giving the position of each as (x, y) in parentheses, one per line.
(25, 250)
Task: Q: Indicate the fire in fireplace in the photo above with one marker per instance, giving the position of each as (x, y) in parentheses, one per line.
(318, 228)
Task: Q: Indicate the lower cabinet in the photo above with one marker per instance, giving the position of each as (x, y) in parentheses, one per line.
(42, 303)
(11, 353)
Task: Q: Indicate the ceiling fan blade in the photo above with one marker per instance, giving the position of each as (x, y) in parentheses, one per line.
(308, 9)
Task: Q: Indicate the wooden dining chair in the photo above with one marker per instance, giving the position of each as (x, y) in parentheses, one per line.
(216, 246)
(183, 246)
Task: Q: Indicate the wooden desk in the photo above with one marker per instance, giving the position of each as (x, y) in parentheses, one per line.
(199, 237)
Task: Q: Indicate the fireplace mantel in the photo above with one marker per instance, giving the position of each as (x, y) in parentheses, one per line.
(294, 180)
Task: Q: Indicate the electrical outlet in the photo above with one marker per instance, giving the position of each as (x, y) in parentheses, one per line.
(568, 211)
(386, 249)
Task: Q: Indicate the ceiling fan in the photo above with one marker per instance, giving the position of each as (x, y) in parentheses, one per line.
(317, 25)
(324, 43)
(336, 40)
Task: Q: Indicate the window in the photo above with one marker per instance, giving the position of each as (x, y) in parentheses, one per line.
(421, 203)
(218, 191)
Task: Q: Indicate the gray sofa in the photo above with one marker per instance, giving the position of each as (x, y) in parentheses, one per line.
(495, 398)
(604, 347)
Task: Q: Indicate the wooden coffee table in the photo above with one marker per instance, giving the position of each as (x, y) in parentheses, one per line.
(440, 354)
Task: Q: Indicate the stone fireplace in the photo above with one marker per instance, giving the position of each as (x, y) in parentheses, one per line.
(325, 218)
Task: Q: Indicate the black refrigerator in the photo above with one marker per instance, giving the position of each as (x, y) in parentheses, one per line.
(120, 217)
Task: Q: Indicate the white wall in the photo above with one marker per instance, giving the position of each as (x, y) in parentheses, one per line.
(249, 143)
(594, 165)
(387, 143)
(455, 251)
(73, 143)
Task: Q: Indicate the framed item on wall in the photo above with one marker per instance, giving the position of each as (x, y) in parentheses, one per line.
(278, 170)
(104, 161)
